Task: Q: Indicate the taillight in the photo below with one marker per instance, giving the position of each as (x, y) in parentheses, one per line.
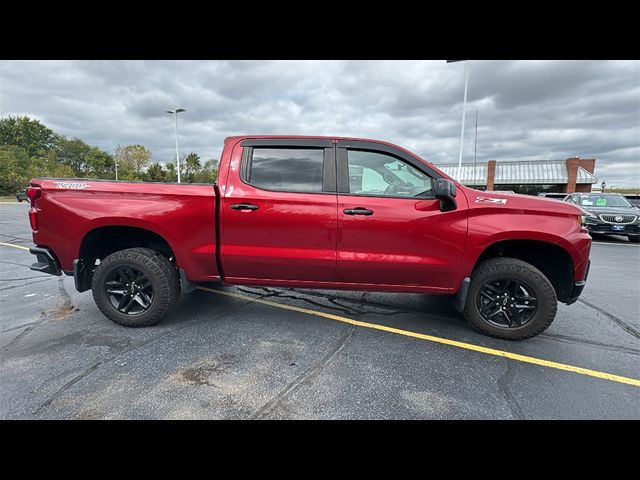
(33, 218)
(33, 193)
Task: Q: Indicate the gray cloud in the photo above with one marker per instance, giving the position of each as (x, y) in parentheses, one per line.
(527, 109)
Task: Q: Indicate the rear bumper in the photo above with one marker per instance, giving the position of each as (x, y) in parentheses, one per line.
(578, 287)
(46, 262)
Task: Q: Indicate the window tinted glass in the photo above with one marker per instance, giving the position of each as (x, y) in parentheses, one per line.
(381, 175)
(290, 169)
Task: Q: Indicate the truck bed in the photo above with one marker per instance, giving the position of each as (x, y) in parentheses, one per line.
(69, 210)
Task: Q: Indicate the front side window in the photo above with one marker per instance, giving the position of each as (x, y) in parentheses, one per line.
(381, 175)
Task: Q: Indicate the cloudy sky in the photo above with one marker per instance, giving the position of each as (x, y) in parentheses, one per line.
(526, 109)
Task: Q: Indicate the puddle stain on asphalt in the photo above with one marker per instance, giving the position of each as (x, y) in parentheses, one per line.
(63, 311)
(202, 372)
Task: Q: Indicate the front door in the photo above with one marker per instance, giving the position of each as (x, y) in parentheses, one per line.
(390, 227)
(278, 212)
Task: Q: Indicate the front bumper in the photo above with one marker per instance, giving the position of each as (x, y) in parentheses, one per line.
(46, 263)
(578, 287)
(601, 228)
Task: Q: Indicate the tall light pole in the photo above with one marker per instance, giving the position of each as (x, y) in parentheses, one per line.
(475, 149)
(175, 113)
(464, 110)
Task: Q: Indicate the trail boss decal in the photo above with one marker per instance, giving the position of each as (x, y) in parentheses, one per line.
(77, 185)
(495, 201)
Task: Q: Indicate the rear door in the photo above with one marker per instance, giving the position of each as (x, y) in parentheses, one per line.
(390, 227)
(278, 211)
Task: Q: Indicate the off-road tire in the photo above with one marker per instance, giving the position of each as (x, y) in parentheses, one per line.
(164, 279)
(512, 268)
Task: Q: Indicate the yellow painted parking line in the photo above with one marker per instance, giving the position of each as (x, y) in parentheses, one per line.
(14, 246)
(444, 341)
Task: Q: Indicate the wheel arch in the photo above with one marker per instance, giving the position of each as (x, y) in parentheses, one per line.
(102, 241)
(551, 259)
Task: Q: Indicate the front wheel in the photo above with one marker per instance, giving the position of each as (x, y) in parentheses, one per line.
(135, 287)
(511, 299)
(634, 238)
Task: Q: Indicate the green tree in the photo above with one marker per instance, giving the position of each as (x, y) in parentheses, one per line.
(156, 173)
(132, 160)
(13, 174)
(208, 173)
(73, 153)
(191, 165)
(171, 172)
(49, 165)
(34, 137)
(100, 164)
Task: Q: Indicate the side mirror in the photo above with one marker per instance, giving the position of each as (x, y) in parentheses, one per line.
(445, 191)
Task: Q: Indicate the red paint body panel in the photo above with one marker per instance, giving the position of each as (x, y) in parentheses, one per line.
(183, 215)
(524, 218)
(405, 242)
(305, 240)
(292, 236)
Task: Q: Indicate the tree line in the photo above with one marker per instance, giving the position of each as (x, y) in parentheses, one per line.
(30, 149)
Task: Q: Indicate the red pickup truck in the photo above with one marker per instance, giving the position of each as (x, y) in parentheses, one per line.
(314, 212)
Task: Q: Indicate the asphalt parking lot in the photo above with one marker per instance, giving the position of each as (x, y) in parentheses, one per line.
(226, 356)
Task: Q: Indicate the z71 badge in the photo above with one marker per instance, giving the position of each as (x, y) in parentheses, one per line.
(72, 185)
(495, 201)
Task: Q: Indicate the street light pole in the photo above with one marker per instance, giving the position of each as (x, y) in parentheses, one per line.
(116, 162)
(464, 111)
(175, 113)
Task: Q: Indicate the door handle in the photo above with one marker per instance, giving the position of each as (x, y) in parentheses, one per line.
(243, 206)
(358, 211)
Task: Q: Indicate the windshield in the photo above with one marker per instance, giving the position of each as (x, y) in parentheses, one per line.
(604, 201)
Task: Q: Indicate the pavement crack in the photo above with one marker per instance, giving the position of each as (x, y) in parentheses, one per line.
(17, 338)
(14, 263)
(14, 279)
(389, 310)
(503, 384)
(67, 386)
(621, 323)
(88, 371)
(25, 284)
(337, 306)
(19, 327)
(15, 239)
(592, 343)
(305, 377)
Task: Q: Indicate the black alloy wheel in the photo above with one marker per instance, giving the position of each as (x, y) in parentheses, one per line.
(507, 302)
(129, 290)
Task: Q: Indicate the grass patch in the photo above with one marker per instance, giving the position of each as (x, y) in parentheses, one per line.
(8, 198)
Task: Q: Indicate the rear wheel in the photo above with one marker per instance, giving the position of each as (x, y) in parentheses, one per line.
(634, 238)
(135, 287)
(511, 299)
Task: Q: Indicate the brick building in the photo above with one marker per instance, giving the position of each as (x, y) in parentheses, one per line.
(528, 176)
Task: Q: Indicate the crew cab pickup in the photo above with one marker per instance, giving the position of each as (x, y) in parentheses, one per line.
(314, 212)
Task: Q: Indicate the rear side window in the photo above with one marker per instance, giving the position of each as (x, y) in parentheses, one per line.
(285, 169)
